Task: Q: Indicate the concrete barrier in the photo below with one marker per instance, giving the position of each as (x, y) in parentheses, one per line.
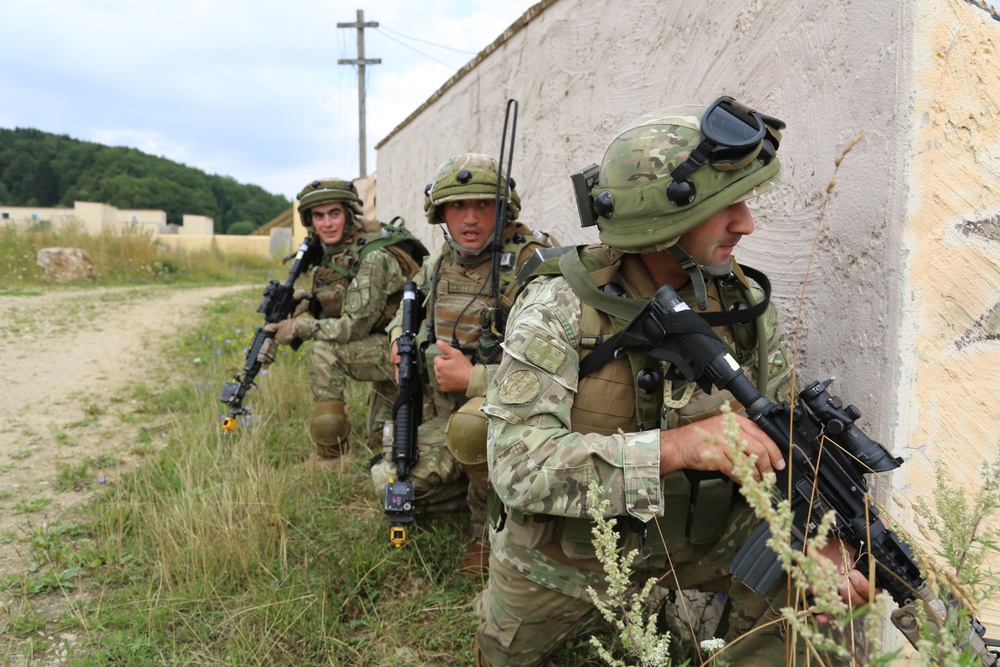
(242, 245)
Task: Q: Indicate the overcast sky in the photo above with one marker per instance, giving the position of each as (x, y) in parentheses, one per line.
(243, 88)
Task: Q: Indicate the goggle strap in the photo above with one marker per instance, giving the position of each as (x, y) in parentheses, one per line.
(695, 160)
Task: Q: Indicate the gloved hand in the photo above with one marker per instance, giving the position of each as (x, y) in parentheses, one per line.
(303, 300)
(268, 349)
(284, 331)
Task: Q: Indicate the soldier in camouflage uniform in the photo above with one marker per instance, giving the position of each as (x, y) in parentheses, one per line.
(451, 471)
(355, 293)
(670, 210)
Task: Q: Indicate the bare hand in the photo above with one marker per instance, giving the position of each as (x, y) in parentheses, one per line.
(394, 358)
(452, 369)
(855, 589)
(701, 446)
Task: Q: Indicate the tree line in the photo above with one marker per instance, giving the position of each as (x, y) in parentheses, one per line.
(49, 170)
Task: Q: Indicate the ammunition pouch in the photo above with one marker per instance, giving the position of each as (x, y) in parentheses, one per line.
(330, 289)
(696, 509)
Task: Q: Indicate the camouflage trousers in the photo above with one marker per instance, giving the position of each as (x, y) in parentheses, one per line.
(333, 365)
(440, 484)
(523, 622)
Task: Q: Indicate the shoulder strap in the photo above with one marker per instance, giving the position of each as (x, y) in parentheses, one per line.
(391, 235)
(606, 351)
(746, 314)
(576, 274)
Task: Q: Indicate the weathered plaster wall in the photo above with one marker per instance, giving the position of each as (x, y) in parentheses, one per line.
(949, 339)
(581, 69)
(902, 301)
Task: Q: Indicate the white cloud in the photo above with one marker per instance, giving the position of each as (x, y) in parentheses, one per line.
(249, 89)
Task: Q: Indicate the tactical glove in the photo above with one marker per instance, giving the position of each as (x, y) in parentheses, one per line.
(284, 331)
(303, 302)
(267, 351)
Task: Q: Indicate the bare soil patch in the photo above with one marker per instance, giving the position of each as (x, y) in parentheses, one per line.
(68, 361)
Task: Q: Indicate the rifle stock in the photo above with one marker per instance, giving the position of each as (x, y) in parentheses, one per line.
(276, 306)
(407, 413)
(828, 457)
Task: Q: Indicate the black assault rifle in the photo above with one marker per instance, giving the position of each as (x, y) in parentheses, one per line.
(277, 305)
(819, 478)
(407, 413)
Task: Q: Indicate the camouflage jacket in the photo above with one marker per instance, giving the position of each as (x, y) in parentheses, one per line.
(540, 467)
(378, 278)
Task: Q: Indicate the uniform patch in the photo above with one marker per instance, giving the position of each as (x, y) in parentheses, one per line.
(519, 388)
(545, 355)
(459, 287)
(357, 299)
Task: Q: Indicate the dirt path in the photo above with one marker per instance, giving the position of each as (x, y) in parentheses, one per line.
(67, 360)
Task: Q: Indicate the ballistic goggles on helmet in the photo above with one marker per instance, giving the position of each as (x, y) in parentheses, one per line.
(733, 135)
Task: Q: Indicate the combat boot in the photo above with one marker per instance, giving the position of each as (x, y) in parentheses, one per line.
(476, 561)
(479, 660)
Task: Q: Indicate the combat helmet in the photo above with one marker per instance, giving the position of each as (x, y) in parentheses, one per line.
(467, 176)
(671, 170)
(330, 189)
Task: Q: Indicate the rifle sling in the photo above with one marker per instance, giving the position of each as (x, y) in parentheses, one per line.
(621, 307)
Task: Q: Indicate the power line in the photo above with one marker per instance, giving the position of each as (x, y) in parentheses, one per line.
(401, 43)
(417, 39)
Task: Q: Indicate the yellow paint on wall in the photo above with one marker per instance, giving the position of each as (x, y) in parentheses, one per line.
(953, 278)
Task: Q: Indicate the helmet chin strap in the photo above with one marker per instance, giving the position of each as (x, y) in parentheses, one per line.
(697, 273)
(465, 252)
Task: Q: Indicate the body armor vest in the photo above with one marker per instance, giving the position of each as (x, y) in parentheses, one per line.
(461, 297)
(462, 291)
(628, 393)
(631, 394)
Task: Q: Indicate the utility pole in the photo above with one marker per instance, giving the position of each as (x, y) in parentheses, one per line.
(361, 62)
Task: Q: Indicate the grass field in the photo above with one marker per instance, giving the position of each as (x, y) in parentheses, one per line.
(231, 549)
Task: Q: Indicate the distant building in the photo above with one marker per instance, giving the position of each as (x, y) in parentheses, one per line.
(95, 218)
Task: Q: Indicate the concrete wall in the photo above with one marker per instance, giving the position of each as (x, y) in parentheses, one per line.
(581, 69)
(197, 225)
(949, 339)
(156, 220)
(195, 236)
(28, 215)
(892, 285)
(91, 217)
(243, 245)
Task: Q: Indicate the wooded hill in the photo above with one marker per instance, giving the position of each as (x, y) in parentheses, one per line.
(43, 169)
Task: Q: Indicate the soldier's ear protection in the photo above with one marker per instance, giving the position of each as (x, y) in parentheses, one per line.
(733, 135)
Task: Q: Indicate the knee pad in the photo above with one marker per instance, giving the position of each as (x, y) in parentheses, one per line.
(465, 437)
(329, 425)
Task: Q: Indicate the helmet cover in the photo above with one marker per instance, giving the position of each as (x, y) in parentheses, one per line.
(330, 189)
(634, 212)
(467, 176)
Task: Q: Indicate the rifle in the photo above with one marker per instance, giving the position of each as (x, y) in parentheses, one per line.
(277, 305)
(407, 412)
(494, 319)
(819, 479)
